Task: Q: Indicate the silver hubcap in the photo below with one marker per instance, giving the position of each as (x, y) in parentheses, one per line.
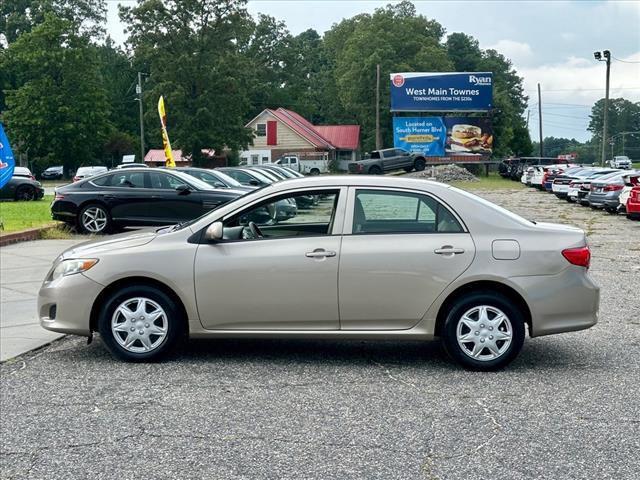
(94, 219)
(139, 325)
(484, 333)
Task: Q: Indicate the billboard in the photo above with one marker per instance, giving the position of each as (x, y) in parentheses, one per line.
(444, 136)
(7, 162)
(422, 92)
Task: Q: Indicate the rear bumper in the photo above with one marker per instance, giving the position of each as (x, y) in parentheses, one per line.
(565, 302)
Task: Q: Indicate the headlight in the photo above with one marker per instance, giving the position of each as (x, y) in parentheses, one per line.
(71, 266)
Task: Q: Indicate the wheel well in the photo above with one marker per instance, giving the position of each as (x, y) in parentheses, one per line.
(494, 287)
(134, 281)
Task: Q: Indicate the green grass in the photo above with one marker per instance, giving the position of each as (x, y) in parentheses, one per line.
(16, 216)
(636, 165)
(493, 182)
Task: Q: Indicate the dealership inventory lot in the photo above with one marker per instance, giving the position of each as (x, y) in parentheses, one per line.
(566, 408)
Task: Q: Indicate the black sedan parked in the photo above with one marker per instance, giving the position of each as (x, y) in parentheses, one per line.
(136, 196)
(22, 188)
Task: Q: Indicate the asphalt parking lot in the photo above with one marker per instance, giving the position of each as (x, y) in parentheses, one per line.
(568, 407)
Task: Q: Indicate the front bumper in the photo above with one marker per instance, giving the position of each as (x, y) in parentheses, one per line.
(565, 302)
(64, 305)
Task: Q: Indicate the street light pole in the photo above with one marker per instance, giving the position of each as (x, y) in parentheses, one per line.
(605, 124)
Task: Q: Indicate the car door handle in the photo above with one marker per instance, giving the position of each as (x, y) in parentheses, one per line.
(109, 197)
(448, 250)
(320, 253)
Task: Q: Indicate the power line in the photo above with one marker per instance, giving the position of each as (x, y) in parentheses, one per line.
(624, 61)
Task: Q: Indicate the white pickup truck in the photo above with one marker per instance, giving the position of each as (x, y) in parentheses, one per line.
(305, 165)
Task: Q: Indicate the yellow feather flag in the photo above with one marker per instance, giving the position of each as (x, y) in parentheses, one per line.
(168, 154)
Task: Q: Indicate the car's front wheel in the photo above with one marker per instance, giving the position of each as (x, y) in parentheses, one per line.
(419, 164)
(484, 331)
(25, 192)
(375, 170)
(94, 218)
(140, 323)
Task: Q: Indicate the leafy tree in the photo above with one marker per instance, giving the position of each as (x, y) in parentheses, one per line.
(57, 108)
(624, 116)
(191, 50)
(396, 38)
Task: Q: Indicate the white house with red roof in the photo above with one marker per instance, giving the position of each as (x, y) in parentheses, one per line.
(281, 131)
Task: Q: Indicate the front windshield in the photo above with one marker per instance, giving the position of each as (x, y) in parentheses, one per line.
(260, 176)
(226, 179)
(193, 181)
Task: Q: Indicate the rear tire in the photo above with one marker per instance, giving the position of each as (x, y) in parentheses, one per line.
(314, 171)
(94, 218)
(484, 331)
(419, 164)
(375, 170)
(25, 193)
(154, 316)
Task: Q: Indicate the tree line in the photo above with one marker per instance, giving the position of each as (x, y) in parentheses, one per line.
(67, 91)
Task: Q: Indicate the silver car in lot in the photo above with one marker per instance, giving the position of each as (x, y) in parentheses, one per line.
(376, 258)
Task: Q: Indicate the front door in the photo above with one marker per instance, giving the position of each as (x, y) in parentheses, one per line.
(281, 275)
(403, 250)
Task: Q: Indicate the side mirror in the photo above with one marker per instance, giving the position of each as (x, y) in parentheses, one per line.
(183, 189)
(214, 232)
(219, 185)
(255, 183)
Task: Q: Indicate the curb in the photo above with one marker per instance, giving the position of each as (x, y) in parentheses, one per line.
(23, 235)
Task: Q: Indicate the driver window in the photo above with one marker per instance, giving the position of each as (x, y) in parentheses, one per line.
(309, 213)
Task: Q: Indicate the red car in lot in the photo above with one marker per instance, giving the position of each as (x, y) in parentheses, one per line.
(633, 204)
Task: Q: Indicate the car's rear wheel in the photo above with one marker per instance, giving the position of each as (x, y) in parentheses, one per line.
(25, 193)
(375, 170)
(94, 218)
(314, 171)
(140, 323)
(484, 331)
(419, 164)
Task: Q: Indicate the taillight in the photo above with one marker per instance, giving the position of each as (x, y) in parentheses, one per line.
(76, 178)
(544, 177)
(59, 196)
(573, 184)
(33, 177)
(580, 256)
(612, 188)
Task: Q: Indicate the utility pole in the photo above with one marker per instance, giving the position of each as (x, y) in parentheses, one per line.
(139, 92)
(528, 112)
(605, 124)
(540, 121)
(378, 139)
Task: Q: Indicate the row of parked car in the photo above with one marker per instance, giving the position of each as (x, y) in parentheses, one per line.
(160, 196)
(610, 189)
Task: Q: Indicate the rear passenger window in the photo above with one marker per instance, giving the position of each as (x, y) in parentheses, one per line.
(102, 181)
(379, 211)
(128, 179)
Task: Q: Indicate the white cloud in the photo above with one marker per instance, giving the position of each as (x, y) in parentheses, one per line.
(519, 53)
(571, 87)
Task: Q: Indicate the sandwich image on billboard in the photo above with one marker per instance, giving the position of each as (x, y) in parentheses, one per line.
(443, 136)
(441, 92)
(468, 136)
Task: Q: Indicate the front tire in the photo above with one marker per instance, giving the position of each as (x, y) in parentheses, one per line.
(375, 170)
(484, 331)
(140, 323)
(94, 218)
(25, 193)
(419, 164)
(314, 172)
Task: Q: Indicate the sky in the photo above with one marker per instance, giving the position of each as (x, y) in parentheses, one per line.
(549, 42)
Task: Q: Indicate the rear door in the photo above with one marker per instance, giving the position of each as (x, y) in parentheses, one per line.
(168, 204)
(400, 250)
(127, 197)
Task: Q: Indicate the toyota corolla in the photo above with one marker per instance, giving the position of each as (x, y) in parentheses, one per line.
(376, 258)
